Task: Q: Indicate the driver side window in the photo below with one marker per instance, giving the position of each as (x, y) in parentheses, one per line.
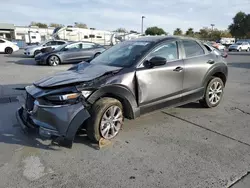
(167, 50)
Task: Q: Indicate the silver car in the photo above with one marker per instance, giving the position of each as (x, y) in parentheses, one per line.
(71, 52)
(32, 51)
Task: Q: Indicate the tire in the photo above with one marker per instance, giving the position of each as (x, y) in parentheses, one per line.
(101, 109)
(239, 50)
(248, 49)
(96, 54)
(54, 60)
(8, 50)
(210, 98)
(36, 52)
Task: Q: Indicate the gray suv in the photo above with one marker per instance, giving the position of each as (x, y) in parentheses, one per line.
(129, 79)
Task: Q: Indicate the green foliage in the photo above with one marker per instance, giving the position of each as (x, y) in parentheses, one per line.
(56, 25)
(155, 31)
(190, 32)
(39, 24)
(240, 27)
(177, 31)
(121, 30)
(81, 25)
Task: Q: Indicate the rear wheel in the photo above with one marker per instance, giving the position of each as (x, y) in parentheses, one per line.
(106, 119)
(53, 60)
(96, 55)
(8, 50)
(213, 93)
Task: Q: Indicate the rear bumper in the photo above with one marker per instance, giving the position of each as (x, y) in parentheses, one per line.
(54, 121)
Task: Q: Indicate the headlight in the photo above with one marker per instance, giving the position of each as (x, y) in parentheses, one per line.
(65, 97)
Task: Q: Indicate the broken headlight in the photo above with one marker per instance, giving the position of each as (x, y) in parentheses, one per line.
(63, 98)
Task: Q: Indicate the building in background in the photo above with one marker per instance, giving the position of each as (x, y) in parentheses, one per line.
(7, 31)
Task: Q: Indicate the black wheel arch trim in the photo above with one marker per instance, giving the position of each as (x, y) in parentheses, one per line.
(217, 69)
(118, 92)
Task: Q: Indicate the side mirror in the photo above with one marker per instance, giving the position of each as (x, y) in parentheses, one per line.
(155, 61)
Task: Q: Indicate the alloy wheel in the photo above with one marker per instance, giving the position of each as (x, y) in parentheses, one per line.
(111, 122)
(54, 60)
(215, 92)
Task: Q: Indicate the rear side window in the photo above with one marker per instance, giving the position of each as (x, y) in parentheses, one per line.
(2, 41)
(60, 43)
(192, 48)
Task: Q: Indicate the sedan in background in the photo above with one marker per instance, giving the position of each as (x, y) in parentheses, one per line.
(73, 52)
(7, 47)
(219, 46)
(239, 46)
(32, 51)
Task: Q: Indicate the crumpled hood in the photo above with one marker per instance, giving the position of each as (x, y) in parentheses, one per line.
(80, 73)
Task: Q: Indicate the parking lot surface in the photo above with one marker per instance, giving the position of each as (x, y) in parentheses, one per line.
(188, 146)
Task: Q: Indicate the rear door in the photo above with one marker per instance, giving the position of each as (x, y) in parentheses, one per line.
(87, 51)
(197, 61)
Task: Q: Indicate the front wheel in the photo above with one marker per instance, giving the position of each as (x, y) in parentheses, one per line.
(239, 50)
(53, 60)
(8, 50)
(213, 93)
(106, 119)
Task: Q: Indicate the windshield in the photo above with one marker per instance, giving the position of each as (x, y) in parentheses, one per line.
(123, 54)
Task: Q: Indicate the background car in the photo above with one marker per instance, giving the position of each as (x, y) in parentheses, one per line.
(219, 46)
(72, 52)
(7, 46)
(32, 51)
(239, 46)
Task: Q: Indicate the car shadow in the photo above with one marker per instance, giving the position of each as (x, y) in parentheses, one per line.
(17, 55)
(29, 62)
(240, 65)
(191, 105)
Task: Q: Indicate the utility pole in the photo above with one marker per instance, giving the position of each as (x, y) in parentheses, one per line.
(212, 26)
(142, 24)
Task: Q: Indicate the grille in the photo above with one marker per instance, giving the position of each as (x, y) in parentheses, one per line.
(29, 104)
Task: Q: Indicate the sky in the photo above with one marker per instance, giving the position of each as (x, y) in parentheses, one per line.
(113, 14)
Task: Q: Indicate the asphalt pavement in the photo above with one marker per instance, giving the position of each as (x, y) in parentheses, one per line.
(188, 146)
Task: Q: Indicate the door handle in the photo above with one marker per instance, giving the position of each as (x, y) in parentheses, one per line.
(211, 61)
(178, 69)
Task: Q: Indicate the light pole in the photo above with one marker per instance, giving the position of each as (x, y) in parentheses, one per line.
(142, 24)
(212, 26)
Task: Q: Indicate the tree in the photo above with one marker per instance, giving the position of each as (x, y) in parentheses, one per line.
(81, 25)
(39, 24)
(240, 26)
(190, 32)
(56, 25)
(121, 30)
(155, 31)
(177, 31)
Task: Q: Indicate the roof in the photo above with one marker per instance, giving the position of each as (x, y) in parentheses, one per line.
(7, 26)
(161, 38)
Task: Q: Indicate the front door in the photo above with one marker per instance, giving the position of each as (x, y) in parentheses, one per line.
(158, 86)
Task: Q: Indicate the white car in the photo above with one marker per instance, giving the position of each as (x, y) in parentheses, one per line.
(239, 46)
(7, 46)
(34, 50)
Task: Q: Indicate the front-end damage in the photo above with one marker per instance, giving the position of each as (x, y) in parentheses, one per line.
(53, 114)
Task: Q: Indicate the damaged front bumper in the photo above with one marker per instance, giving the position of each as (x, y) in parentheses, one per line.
(54, 121)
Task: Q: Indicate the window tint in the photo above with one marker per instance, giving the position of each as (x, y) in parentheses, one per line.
(74, 46)
(48, 44)
(168, 51)
(88, 45)
(53, 43)
(2, 41)
(192, 48)
(60, 42)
